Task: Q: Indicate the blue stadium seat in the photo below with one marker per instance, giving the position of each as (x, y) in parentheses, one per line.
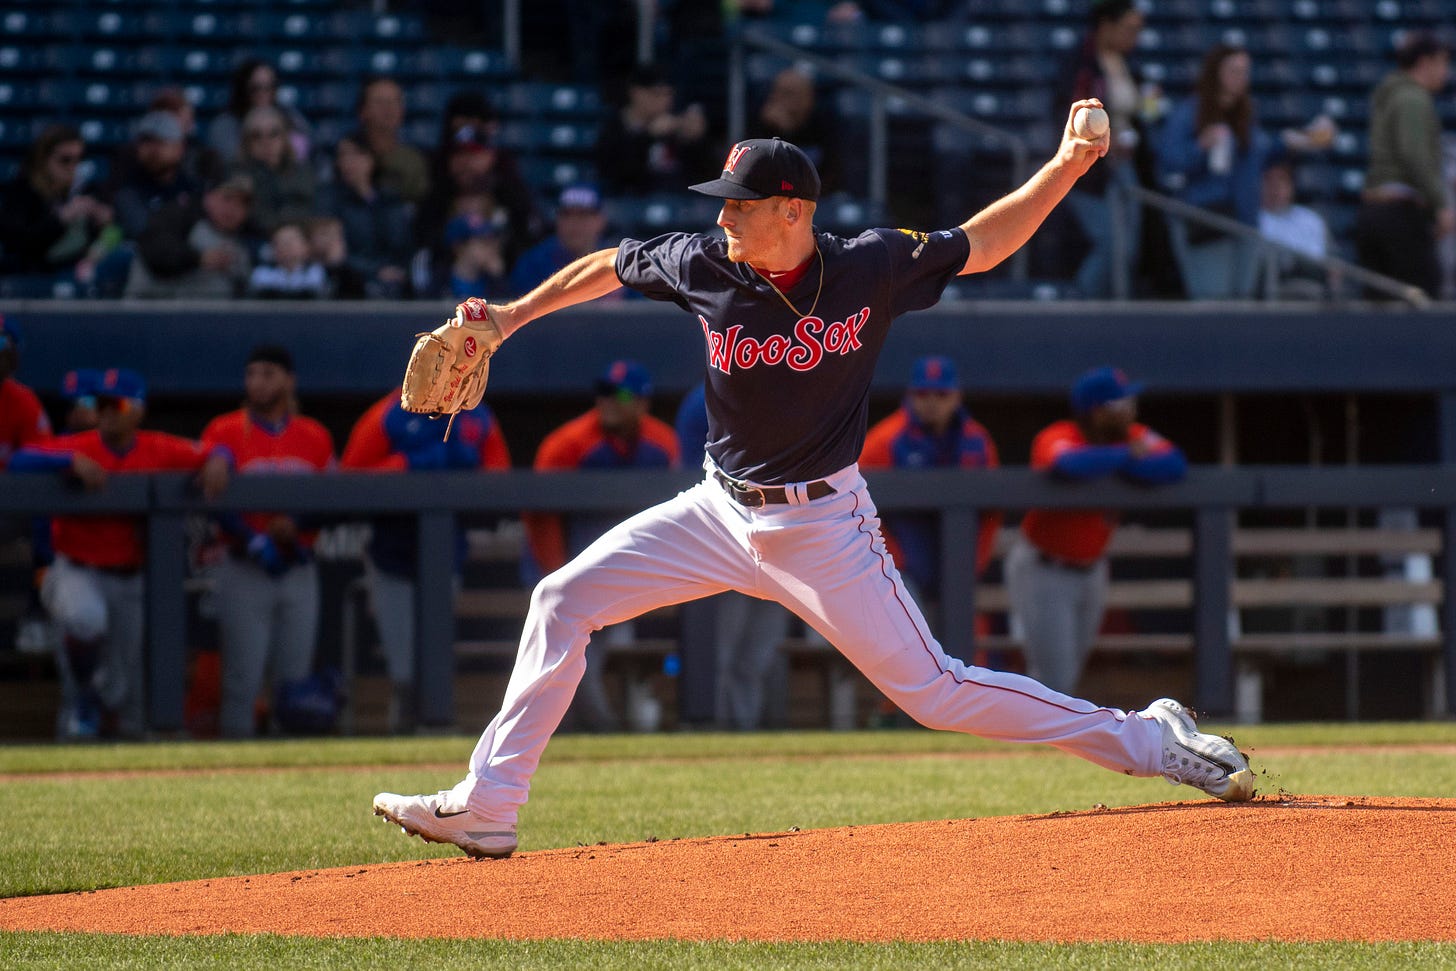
(533, 99)
(196, 61)
(19, 60)
(35, 23)
(460, 64)
(557, 137)
(16, 134)
(549, 175)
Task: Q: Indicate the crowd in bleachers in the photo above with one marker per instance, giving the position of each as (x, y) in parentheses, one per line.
(158, 156)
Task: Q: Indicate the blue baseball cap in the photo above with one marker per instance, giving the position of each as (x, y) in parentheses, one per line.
(470, 226)
(625, 376)
(1100, 386)
(934, 373)
(121, 383)
(83, 382)
(580, 197)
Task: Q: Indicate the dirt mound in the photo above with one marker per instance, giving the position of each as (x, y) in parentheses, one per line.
(1293, 868)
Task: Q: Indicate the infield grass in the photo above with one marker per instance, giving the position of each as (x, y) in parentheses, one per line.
(82, 818)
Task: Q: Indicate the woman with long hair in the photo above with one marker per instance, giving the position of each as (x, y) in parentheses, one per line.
(254, 84)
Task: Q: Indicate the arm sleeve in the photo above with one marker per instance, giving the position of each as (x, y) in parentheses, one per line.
(655, 267)
(494, 455)
(1414, 136)
(41, 459)
(922, 264)
(1163, 463)
(1089, 461)
(368, 446)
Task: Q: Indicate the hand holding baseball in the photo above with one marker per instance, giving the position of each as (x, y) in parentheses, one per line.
(1089, 122)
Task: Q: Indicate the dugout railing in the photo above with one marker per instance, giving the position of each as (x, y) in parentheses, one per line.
(1211, 495)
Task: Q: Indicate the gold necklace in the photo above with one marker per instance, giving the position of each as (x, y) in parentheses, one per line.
(817, 293)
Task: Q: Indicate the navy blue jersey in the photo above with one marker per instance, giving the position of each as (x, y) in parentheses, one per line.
(788, 389)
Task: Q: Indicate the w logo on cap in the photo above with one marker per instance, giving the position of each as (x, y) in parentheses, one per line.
(734, 154)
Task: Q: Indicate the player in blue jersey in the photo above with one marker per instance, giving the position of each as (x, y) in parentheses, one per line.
(792, 322)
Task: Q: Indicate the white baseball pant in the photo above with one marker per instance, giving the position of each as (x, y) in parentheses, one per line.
(826, 561)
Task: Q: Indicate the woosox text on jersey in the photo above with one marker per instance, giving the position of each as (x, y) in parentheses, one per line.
(811, 341)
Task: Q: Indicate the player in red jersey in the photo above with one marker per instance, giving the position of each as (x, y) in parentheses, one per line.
(1056, 574)
(94, 589)
(267, 585)
(618, 433)
(389, 439)
(22, 419)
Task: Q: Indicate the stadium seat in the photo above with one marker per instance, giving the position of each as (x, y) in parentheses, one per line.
(535, 99)
(36, 23)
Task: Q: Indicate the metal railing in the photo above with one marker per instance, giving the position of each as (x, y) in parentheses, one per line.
(881, 94)
(1269, 251)
(1213, 495)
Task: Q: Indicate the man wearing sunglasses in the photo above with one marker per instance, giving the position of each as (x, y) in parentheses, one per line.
(618, 433)
(94, 589)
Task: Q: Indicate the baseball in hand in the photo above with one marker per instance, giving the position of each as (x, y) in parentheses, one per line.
(1089, 122)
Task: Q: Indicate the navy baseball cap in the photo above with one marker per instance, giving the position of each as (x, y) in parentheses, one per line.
(81, 383)
(1100, 386)
(934, 373)
(760, 168)
(625, 376)
(120, 382)
(581, 198)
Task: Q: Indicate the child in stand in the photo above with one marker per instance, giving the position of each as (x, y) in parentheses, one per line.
(327, 245)
(293, 273)
(478, 264)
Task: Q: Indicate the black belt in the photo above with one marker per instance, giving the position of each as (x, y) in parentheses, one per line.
(1060, 564)
(754, 496)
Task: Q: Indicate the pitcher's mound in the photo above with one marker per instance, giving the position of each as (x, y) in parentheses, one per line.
(1291, 868)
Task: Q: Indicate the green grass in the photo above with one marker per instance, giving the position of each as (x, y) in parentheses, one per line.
(65, 952)
(204, 810)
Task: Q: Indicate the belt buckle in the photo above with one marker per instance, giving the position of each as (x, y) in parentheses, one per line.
(744, 494)
(751, 496)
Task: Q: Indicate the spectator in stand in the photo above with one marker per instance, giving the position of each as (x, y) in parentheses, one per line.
(293, 273)
(644, 145)
(284, 189)
(200, 163)
(1282, 220)
(468, 108)
(472, 171)
(580, 229)
(389, 439)
(1100, 69)
(792, 111)
(157, 179)
(1056, 572)
(52, 228)
(254, 84)
(22, 419)
(1406, 207)
(399, 166)
(378, 223)
(94, 589)
(328, 247)
(931, 430)
(478, 263)
(1210, 154)
(267, 586)
(618, 433)
(196, 251)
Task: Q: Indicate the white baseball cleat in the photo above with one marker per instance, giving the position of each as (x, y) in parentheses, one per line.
(1194, 758)
(438, 819)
